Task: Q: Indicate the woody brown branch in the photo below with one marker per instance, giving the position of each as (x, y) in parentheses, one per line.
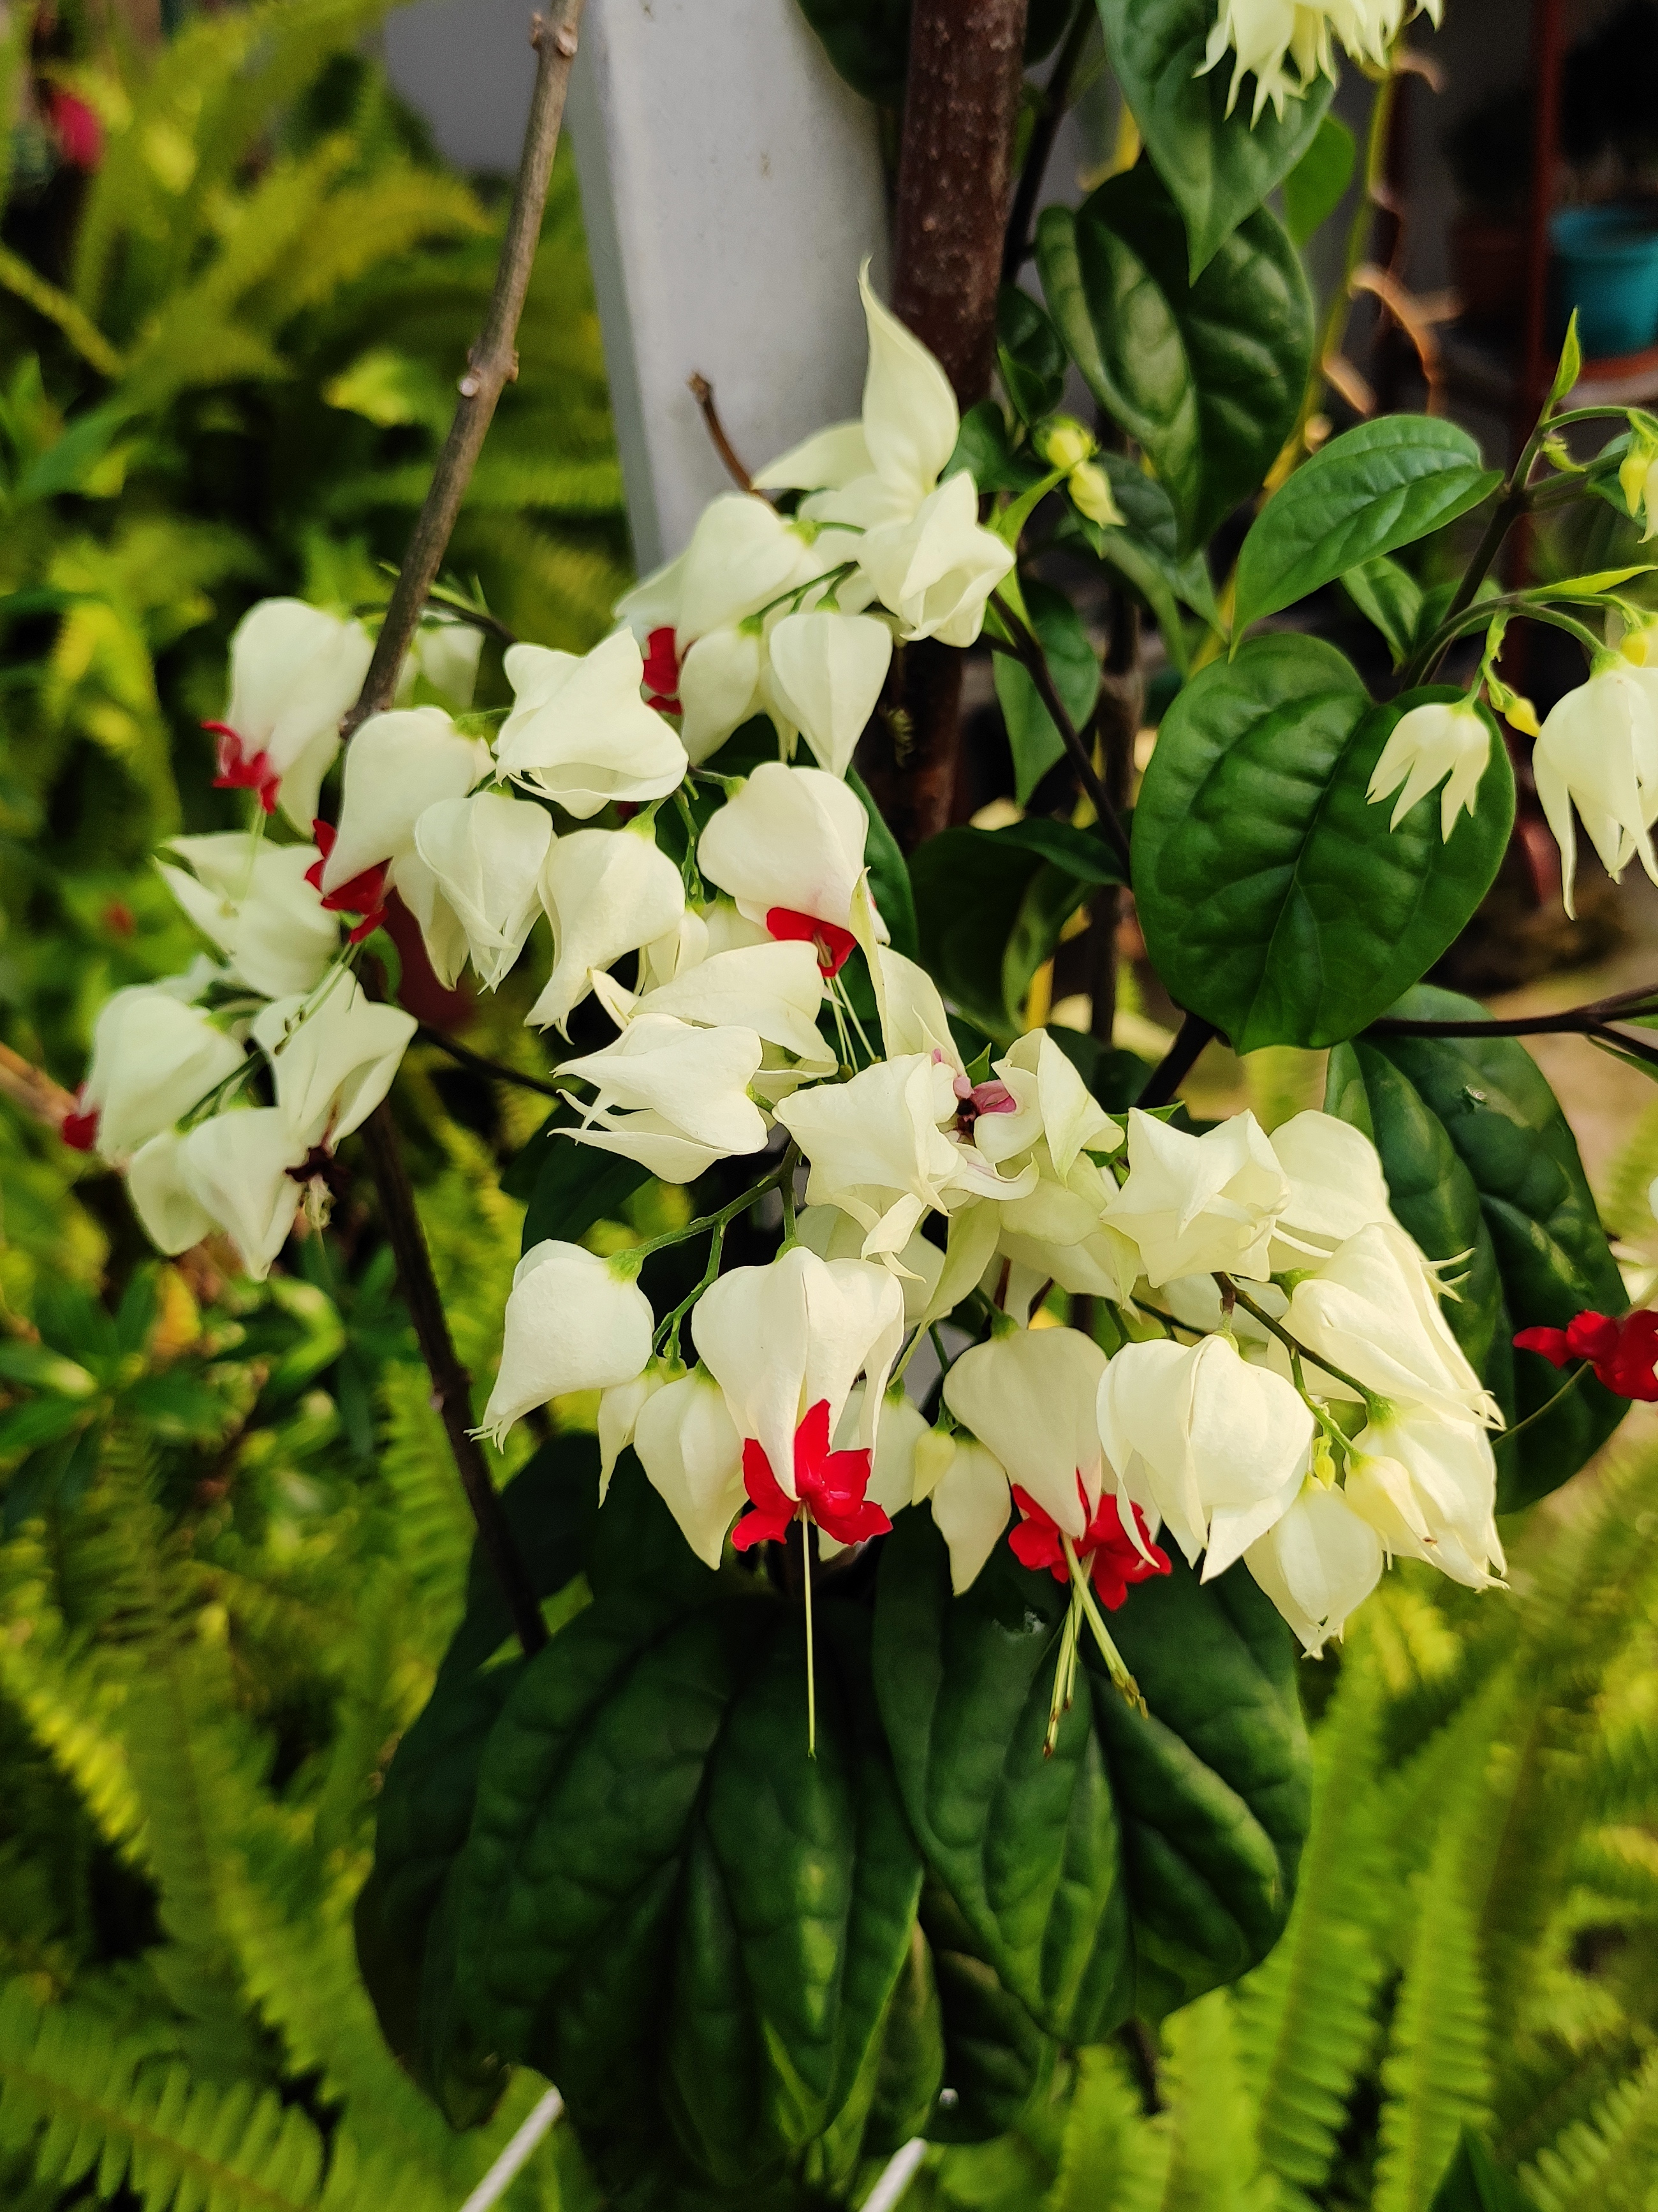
(955, 181)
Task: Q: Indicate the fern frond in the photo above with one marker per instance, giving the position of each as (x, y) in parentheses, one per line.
(432, 1526)
(1304, 2024)
(1214, 2164)
(1622, 1776)
(363, 225)
(1114, 2159)
(1607, 2161)
(1437, 2073)
(25, 283)
(88, 2104)
(1623, 1191)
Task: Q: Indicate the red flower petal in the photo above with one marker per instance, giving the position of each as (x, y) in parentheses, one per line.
(241, 770)
(1592, 1336)
(1550, 1343)
(833, 944)
(662, 668)
(79, 1130)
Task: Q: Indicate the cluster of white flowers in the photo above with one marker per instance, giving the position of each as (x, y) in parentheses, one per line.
(1283, 1387)
(1267, 38)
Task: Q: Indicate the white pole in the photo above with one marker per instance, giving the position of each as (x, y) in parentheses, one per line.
(900, 2172)
(517, 2153)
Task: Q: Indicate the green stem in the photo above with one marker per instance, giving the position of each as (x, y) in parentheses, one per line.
(1295, 1345)
(725, 1215)
(811, 1666)
(1547, 1406)
(1115, 1665)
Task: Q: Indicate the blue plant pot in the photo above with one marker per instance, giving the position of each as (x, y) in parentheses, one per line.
(1606, 265)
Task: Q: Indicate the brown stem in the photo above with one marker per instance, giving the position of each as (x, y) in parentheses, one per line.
(702, 392)
(1029, 651)
(1117, 720)
(451, 1387)
(1570, 1021)
(955, 179)
(1178, 1063)
(491, 364)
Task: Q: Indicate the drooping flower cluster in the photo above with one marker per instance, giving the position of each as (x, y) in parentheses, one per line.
(1269, 39)
(1265, 1374)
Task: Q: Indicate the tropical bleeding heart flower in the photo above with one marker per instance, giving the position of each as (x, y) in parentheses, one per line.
(1194, 1204)
(364, 896)
(789, 847)
(1444, 741)
(1373, 1310)
(1114, 1560)
(153, 1058)
(692, 1454)
(1029, 1395)
(673, 1098)
(575, 1322)
(1599, 753)
(829, 1490)
(256, 902)
(1623, 1353)
(396, 766)
(607, 892)
(936, 570)
(473, 882)
(294, 671)
(332, 1065)
(827, 670)
(1428, 1487)
(1318, 1563)
(580, 733)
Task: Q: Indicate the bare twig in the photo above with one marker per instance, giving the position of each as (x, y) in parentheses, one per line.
(1178, 1063)
(1570, 1021)
(33, 1089)
(491, 364)
(1029, 651)
(702, 392)
(1053, 100)
(496, 1070)
(451, 1387)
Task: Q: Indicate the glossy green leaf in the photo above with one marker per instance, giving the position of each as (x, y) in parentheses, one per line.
(868, 42)
(1206, 374)
(1377, 488)
(1148, 1860)
(991, 904)
(574, 1186)
(1389, 597)
(1030, 354)
(1551, 1255)
(1429, 1187)
(1275, 900)
(1032, 732)
(1218, 166)
(1145, 551)
(660, 1895)
(983, 449)
(1314, 188)
(911, 2073)
(889, 879)
(996, 2059)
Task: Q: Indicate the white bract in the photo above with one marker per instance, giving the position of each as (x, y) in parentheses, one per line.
(827, 672)
(1194, 1204)
(967, 1488)
(1271, 37)
(774, 989)
(1599, 753)
(333, 1064)
(782, 1339)
(474, 882)
(1447, 741)
(153, 1058)
(1428, 1487)
(580, 733)
(672, 1097)
(1215, 1447)
(1373, 1310)
(1337, 1188)
(619, 1409)
(252, 899)
(294, 672)
(721, 688)
(1318, 1563)
(936, 570)
(574, 1322)
(1028, 1397)
(235, 1173)
(607, 892)
(791, 842)
(692, 1453)
(396, 766)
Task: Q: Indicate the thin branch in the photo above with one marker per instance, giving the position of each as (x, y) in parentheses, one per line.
(31, 1088)
(491, 364)
(496, 1070)
(1571, 1021)
(451, 1387)
(1029, 651)
(1055, 99)
(1178, 1063)
(702, 392)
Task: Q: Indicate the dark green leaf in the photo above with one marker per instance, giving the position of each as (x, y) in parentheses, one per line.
(889, 877)
(991, 904)
(551, 1506)
(1219, 166)
(1474, 2182)
(1145, 551)
(1029, 354)
(1377, 488)
(178, 1405)
(1552, 1253)
(912, 2070)
(868, 42)
(1206, 374)
(1429, 1187)
(40, 1421)
(1032, 731)
(1276, 902)
(1148, 1860)
(983, 450)
(1388, 596)
(1313, 188)
(573, 1185)
(997, 2060)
